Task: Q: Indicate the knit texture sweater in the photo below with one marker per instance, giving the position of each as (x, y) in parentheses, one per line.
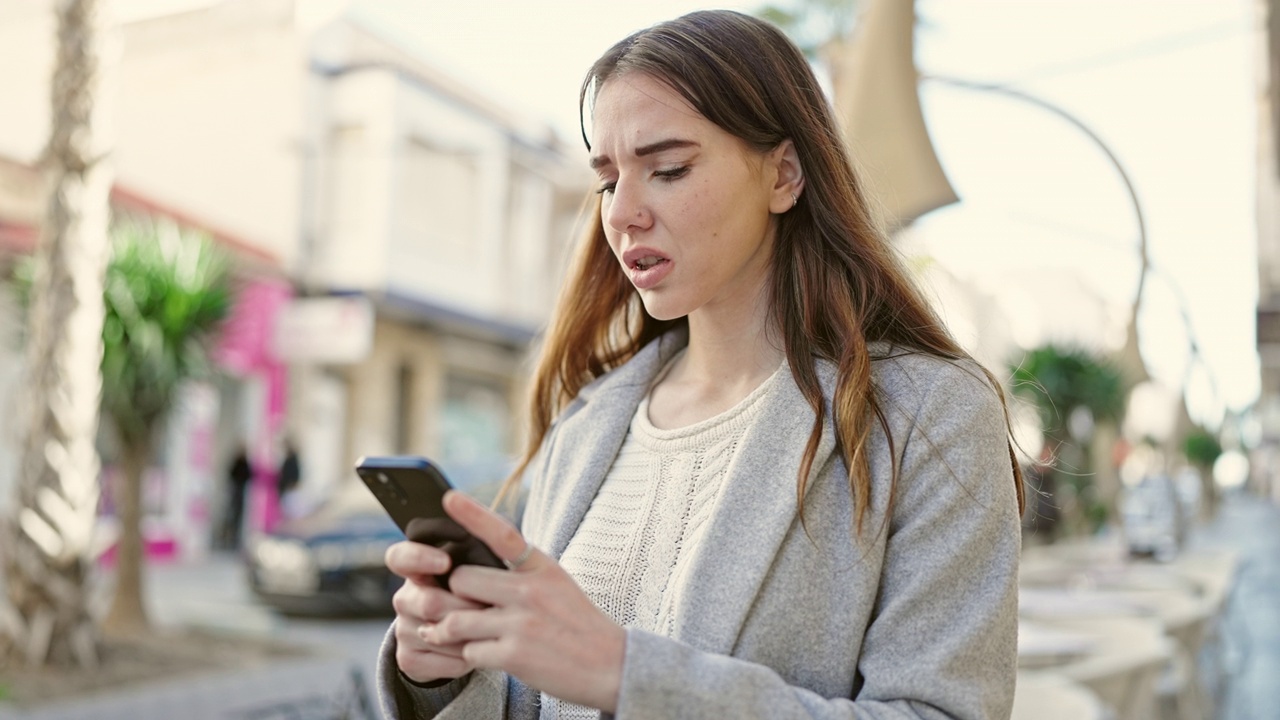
(632, 549)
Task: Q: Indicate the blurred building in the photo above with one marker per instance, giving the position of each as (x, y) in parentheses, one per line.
(398, 237)
(1268, 214)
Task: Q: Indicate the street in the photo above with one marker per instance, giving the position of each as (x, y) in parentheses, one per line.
(213, 595)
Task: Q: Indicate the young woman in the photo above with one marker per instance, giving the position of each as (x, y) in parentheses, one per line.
(763, 479)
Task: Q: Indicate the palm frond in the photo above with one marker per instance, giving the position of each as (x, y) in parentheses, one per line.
(167, 292)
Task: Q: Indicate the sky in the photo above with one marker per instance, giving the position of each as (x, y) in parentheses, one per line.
(1167, 85)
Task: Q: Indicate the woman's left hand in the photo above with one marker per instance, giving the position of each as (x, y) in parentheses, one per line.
(540, 626)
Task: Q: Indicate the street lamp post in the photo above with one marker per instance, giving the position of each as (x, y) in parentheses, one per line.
(1131, 356)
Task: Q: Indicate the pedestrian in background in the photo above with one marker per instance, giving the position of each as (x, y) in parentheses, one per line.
(287, 483)
(239, 474)
(764, 481)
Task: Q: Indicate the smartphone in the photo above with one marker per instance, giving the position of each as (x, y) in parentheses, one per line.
(412, 489)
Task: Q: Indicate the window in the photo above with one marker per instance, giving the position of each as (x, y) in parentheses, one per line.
(438, 197)
(474, 435)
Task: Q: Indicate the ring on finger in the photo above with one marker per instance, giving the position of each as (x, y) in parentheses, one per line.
(524, 557)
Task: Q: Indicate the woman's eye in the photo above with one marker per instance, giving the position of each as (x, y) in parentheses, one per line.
(673, 173)
(607, 188)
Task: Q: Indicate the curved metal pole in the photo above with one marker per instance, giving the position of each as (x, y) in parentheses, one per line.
(1145, 262)
(1115, 162)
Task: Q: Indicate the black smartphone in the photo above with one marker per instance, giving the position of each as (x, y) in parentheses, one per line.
(412, 489)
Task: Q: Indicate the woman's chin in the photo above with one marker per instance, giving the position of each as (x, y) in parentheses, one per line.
(658, 309)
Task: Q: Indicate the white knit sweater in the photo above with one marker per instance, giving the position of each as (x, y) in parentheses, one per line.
(632, 549)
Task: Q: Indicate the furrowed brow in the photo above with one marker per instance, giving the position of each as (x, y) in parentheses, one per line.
(600, 161)
(663, 145)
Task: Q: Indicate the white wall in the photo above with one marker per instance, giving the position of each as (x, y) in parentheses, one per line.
(211, 118)
(462, 272)
(429, 191)
(355, 187)
(209, 106)
(531, 249)
(26, 56)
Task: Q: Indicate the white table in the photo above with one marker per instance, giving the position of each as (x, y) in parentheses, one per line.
(1187, 596)
(1050, 696)
(1118, 658)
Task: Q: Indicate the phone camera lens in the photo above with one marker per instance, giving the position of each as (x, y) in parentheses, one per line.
(382, 478)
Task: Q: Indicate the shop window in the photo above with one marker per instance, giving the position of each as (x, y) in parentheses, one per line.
(475, 433)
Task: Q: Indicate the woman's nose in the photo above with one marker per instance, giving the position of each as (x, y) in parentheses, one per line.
(626, 209)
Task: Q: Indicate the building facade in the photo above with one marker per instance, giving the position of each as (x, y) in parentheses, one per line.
(397, 238)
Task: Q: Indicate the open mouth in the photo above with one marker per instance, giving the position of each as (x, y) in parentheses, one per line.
(647, 262)
(647, 267)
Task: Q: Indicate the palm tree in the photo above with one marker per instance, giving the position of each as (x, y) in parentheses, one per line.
(45, 540)
(166, 293)
(1061, 383)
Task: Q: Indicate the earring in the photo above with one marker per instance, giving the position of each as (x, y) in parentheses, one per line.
(794, 200)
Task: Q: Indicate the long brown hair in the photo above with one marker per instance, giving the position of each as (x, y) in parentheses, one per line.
(836, 282)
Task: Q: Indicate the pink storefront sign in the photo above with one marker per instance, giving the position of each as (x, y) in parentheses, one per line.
(245, 349)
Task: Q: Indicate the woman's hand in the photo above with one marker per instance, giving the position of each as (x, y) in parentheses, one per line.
(533, 621)
(419, 604)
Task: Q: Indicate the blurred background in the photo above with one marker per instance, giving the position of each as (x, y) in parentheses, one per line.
(245, 242)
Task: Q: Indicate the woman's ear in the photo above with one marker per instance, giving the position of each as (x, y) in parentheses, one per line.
(789, 184)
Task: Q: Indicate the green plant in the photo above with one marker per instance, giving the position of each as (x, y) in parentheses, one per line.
(1060, 379)
(166, 293)
(1201, 448)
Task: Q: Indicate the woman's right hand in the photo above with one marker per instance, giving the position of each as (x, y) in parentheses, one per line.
(421, 603)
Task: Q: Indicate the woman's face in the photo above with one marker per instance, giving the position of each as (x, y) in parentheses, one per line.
(686, 206)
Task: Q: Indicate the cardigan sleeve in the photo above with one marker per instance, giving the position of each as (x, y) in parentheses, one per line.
(481, 693)
(942, 642)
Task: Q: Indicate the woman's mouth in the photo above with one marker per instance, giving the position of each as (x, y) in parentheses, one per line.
(646, 268)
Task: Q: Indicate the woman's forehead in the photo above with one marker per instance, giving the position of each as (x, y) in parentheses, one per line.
(630, 106)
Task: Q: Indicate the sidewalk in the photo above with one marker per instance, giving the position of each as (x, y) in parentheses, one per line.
(334, 682)
(295, 690)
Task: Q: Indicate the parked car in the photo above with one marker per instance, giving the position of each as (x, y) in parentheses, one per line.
(329, 562)
(1153, 517)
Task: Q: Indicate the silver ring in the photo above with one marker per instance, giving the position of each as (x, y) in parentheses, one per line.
(524, 556)
(794, 200)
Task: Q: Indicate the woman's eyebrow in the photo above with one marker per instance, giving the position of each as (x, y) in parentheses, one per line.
(661, 145)
(600, 161)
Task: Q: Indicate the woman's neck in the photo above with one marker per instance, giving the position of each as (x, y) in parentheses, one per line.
(729, 355)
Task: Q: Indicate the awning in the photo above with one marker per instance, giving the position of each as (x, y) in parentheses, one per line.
(875, 83)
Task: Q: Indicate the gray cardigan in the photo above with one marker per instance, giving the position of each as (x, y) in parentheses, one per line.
(915, 618)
